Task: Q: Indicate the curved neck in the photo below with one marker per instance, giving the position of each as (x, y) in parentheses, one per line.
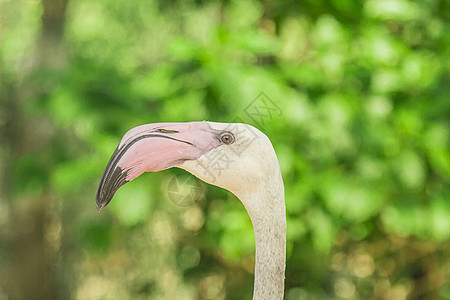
(267, 210)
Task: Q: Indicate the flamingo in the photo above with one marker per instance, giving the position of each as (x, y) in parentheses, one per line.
(234, 156)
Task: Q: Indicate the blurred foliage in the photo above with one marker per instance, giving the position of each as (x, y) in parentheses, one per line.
(362, 133)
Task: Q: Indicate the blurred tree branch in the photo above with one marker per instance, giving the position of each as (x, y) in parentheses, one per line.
(32, 273)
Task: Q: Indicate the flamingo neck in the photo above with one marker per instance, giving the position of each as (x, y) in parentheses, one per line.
(266, 208)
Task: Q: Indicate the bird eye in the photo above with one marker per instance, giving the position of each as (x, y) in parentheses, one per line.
(227, 138)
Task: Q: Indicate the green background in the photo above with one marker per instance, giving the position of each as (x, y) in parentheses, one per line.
(361, 128)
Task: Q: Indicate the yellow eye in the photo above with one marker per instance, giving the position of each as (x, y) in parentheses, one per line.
(227, 138)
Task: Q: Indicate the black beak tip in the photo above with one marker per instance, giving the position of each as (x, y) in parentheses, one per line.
(101, 200)
(108, 186)
(100, 204)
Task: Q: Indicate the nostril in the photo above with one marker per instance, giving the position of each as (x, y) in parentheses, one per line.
(166, 130)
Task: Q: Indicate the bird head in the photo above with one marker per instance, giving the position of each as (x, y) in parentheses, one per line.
(233, 156)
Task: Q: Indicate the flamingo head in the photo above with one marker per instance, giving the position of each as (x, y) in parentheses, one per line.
(233, 156)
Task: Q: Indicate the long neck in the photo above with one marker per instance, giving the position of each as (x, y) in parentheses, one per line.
(267, 211)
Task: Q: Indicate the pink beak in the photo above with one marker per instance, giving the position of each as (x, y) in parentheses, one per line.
(154, 147)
